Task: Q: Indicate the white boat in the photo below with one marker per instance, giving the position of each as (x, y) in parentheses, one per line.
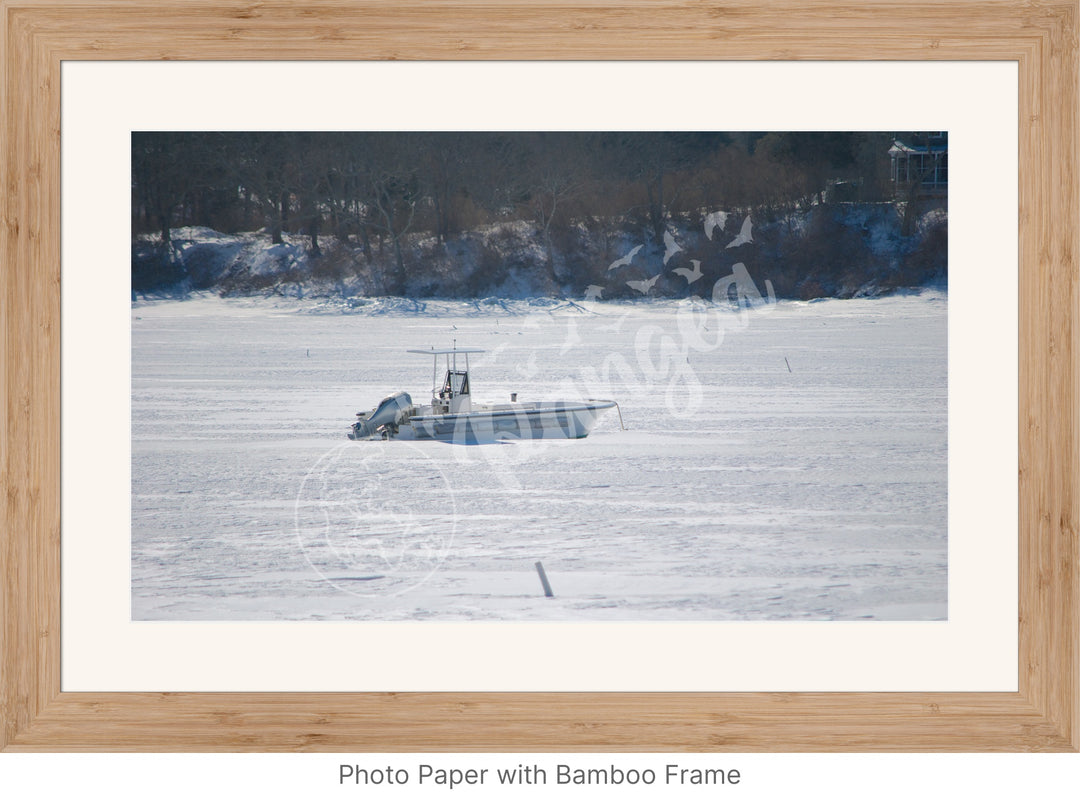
(452, 416)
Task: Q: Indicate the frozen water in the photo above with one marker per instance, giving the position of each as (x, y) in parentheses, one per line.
(740, 489)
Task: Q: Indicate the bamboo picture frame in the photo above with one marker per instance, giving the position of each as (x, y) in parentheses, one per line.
(1041, 37)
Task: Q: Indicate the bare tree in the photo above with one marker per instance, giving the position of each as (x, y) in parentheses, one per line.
(161, 177)
(389, 189)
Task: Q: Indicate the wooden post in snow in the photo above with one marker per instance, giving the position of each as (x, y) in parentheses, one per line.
(543, 579)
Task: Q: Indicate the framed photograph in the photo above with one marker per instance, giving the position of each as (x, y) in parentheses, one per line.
(169, 638)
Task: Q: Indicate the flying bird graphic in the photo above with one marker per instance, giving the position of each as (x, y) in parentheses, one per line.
(670, 247)
(714, 220)
(691, 274)
(643, 285)
(626, 259)
(593, 293)
(744, 237)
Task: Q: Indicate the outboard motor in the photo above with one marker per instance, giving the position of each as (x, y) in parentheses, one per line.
(387, 413)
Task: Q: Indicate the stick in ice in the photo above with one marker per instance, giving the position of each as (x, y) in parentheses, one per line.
(543, 579)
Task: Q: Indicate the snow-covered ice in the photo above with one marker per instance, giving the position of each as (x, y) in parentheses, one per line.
(739, 490)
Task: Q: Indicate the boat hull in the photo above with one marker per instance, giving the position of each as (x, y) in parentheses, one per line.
(528, 421)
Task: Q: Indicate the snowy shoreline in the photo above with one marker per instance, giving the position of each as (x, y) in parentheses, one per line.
(487, 306)
(825, 251)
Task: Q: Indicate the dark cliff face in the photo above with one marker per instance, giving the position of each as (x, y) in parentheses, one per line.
(830, 250)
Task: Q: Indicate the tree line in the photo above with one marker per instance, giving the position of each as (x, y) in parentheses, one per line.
(379, 187)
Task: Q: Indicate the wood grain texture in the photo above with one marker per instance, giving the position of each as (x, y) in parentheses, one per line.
(1041, 36)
